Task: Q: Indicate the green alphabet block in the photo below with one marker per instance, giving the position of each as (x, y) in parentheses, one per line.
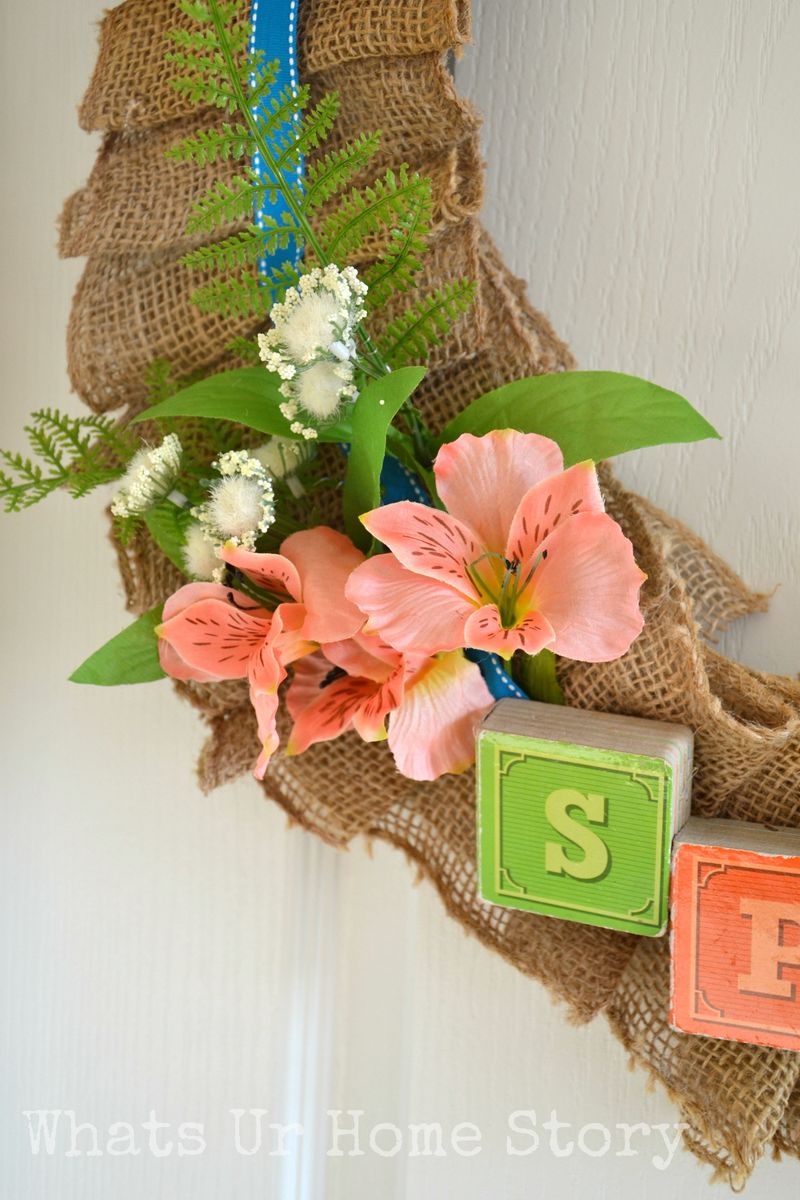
(577, 811)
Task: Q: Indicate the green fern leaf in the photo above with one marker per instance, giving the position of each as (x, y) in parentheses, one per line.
(199, 58)
(209, 146)
(279, 278)
(365, 210)
(328, 175)
(211, 63)
(202, 40)
(197, 12)
(198, 90)
(202, 13)
(273, 112)
(411, 336)
(79, 453)
(396, 267)
(160, 381)
(234, 296)
(307, 133)
(242, 248)
(228, 203)
(246, 349)
(246, 294)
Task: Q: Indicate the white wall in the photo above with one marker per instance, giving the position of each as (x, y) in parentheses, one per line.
(171, 952)
(643, 178)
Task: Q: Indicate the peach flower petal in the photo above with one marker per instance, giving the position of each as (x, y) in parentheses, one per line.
(484, 631)
(433, 730)
(481, 480)
(324, 560)
(588, 585)
(410, 612)
(427, 541)
(548, 504)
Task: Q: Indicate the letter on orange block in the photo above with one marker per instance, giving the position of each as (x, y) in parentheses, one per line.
(768, 951)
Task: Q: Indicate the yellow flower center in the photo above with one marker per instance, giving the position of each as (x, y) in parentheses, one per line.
(505, 583)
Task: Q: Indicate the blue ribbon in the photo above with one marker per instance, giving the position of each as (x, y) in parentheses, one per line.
(274, 32)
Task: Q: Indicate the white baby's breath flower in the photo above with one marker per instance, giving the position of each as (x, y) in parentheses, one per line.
(240, 505)
(150, 477)
(311, 346)
(200, 553)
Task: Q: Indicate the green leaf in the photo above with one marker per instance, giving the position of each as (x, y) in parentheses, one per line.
(167, 524)
(130, 657)
(591, 414)
(401, 447)
(373, 413)
(248, 395)
(536, 675)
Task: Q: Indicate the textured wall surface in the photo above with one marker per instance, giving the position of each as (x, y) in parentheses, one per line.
(643, 178)
(168, 952)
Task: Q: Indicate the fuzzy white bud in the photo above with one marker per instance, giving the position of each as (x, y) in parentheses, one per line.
(149, 478)
(200, 553)
(240, 505)
(281, 456)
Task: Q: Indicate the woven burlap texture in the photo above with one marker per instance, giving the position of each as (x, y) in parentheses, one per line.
(133, 304)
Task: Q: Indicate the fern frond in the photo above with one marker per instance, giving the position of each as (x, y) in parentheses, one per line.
(275, 114)
(424, 324)
(281, 277)
(365, 210)
(258, 80)
(203, 40)
(243, 294)
(208, 146)
(76, 453)
(200, 90)
(328, 175)
(210, 63)
(201, 12)
(246, 349)
(80, 435)
(201, 64)
(308, 132)
(242, 248)
(233, 296)
(399, 262)
(228, 203)
(160, 381)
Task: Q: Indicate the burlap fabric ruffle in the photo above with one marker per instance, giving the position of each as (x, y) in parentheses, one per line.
(388, 60)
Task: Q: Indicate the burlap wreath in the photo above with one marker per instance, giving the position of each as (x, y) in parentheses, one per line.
(387, 59)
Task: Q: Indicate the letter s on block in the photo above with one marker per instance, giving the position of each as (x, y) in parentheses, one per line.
(595, 851)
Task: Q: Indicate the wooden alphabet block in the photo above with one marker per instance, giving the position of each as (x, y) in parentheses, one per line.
(576, 813)
(735, 900)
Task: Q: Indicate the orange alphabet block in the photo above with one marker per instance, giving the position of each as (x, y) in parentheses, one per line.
(735, 904)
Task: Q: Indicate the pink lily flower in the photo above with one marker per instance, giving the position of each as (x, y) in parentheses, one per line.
(524, 558)
(433, 704)
(211, 632)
